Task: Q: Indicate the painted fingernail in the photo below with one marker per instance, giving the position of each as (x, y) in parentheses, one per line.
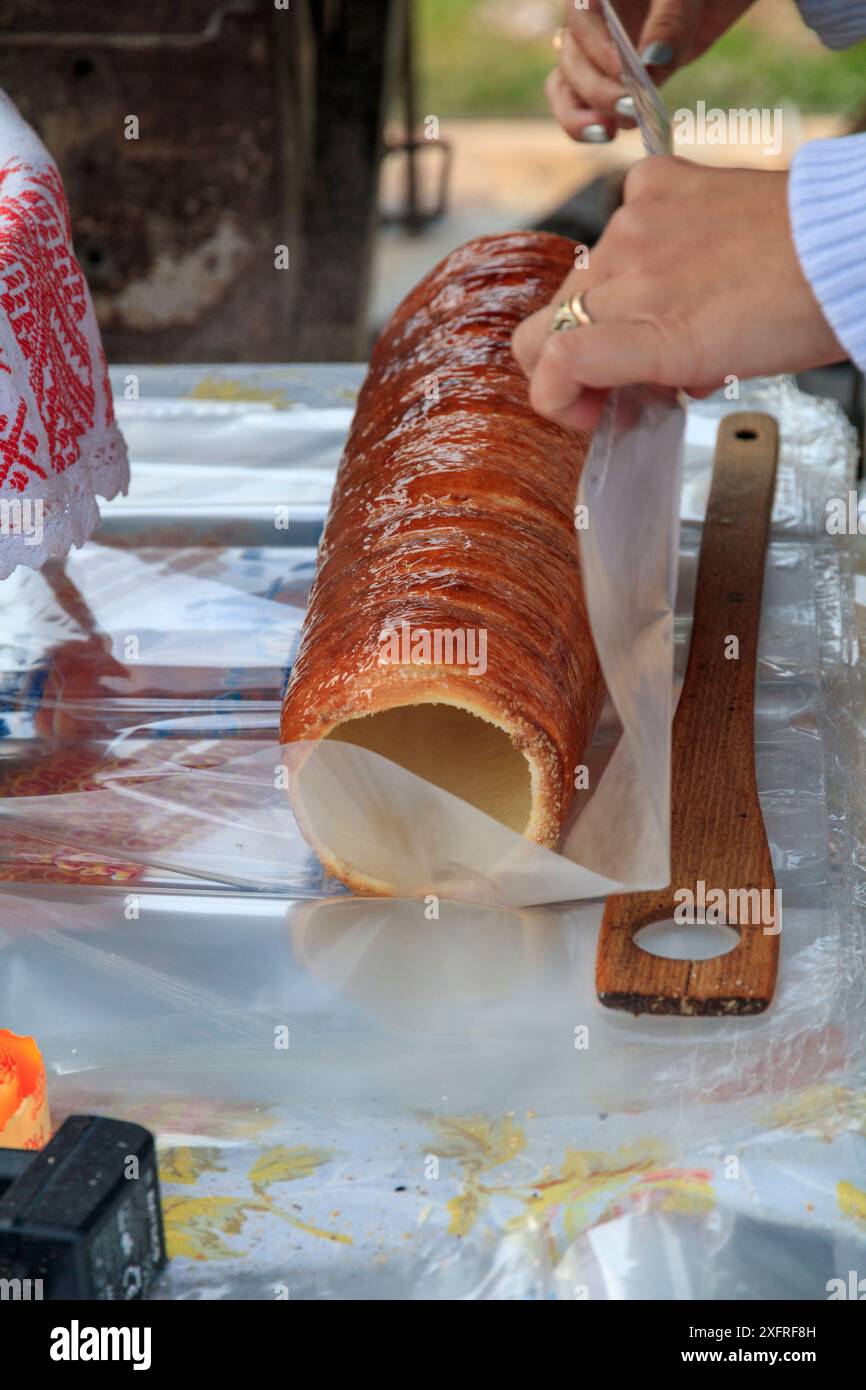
(594, 135)
(625, 107)
(657, 54)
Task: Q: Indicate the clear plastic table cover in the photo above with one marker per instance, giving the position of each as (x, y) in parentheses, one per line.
(217, 807)
(353, 1099)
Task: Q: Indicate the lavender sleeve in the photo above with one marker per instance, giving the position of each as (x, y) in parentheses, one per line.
(827, 199)
(838, 23)
(827, 203)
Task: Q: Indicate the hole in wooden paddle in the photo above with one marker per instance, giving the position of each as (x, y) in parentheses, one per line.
(746, 434)
(677, 941)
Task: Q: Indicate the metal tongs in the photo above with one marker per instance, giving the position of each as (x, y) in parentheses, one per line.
(651, 114)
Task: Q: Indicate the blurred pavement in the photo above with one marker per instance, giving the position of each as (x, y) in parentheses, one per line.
(511, 173)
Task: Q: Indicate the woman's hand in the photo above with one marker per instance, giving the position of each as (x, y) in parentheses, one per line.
(585, 90)
(695, 280)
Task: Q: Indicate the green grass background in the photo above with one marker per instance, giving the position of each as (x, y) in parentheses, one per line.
(468, 66)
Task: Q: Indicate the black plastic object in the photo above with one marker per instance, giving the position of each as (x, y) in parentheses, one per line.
(81, 1218)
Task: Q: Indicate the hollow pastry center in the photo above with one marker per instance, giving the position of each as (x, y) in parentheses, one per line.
(455, 750)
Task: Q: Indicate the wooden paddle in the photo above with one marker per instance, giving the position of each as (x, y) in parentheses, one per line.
(717, 832)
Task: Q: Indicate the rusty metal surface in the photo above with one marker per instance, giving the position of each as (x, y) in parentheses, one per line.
(114, 24)
(253, 133)
(356, 48)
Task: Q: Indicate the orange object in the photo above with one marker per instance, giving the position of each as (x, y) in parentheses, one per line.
(24, 1121)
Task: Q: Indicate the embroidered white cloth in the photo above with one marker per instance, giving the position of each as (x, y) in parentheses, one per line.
(59, 443)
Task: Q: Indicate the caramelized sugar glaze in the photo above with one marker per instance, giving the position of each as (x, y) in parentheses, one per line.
(454, 509)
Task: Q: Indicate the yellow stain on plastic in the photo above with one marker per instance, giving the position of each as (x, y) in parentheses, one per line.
(585, 1177)
(476, 1141)
(194, 1226)
(478, 1144)
(185, 1165)
(687, 1190)
(279, 1164)
(852, 1200)
(464, 1209)
(825, 1111)
(586, 1173)
(319, 1231)
(214, 388)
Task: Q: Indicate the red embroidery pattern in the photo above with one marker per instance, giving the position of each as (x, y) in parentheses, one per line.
(43, 296)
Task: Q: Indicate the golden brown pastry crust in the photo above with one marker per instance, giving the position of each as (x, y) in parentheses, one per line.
(453, 509)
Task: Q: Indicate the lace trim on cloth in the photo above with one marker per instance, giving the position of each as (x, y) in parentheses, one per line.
(71, 514)
(59, 443)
